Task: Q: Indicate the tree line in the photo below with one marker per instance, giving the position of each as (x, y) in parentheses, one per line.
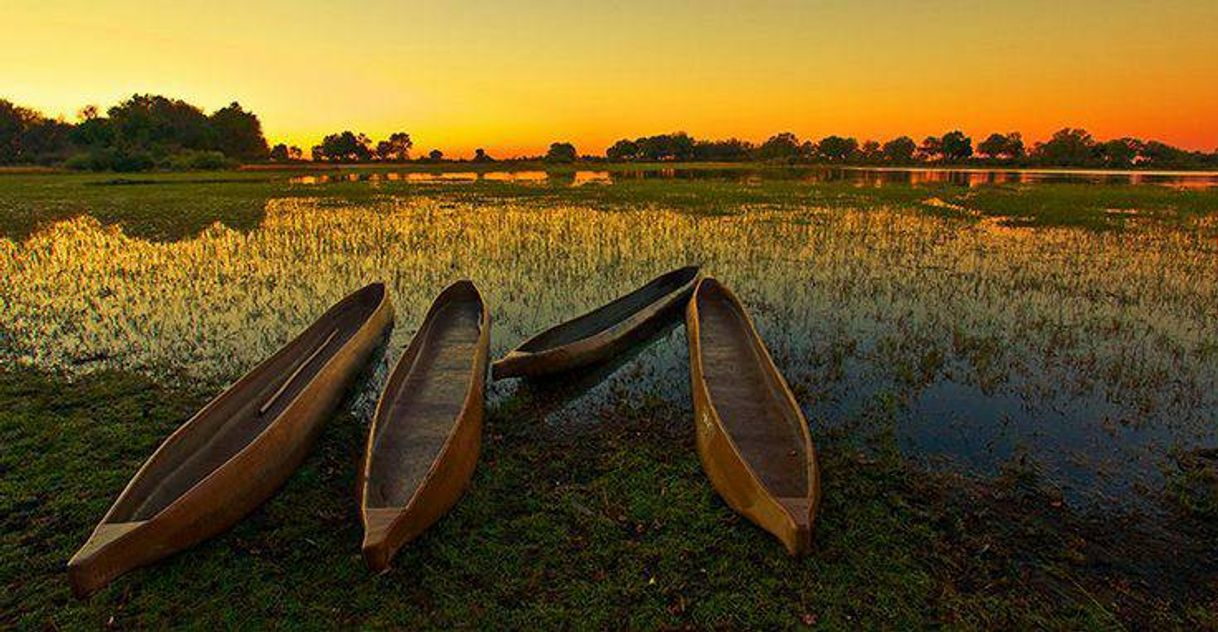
(1068, 147)
(143, 132)
(151, 131)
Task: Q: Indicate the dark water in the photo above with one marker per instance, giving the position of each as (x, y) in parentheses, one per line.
(860, 176)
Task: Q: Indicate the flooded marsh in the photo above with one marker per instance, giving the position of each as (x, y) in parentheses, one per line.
(970, 342)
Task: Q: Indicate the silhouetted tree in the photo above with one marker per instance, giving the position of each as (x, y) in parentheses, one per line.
(481, 156)
(837, 149)
(899, 150)
(435, 155)
(1163, 156)
(1015, 149)
(279, 153)
(1067, 147)
(14, 120)
(238, 133)
(1002, 146)
(783, 147)
(561, 153)
(622, 150)
(93, 132)
(955, 146)
(931, 149)
(730, 150)
(396, 148)
(46, 141)
(870, 152)
(992, 146)
(663, 147)
(160, 124)
(343, 147)
(28, 136)
(1121, 153)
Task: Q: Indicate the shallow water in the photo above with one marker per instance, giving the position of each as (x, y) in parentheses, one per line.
(1091, 355)
(860, 175)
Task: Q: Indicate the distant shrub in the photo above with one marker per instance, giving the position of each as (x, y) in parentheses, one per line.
(79, 162)
(189, 160)
(111, 159)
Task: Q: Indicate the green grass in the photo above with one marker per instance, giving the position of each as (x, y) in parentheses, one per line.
(610, 525)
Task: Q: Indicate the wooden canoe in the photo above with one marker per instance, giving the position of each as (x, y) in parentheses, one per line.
(752, 437)
(603, 332)
(427, 430)
(234, 454)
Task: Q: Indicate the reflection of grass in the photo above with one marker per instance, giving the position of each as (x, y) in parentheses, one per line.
(177, 208)
(611, 526)
(169, 206)
(999, 302)
(849, 299)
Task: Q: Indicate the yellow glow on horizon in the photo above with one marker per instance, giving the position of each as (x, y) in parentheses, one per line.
(458, 76)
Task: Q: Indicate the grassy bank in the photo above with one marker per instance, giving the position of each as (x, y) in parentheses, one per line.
(609, 525)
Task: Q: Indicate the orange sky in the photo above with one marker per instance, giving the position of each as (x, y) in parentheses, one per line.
(463, 74)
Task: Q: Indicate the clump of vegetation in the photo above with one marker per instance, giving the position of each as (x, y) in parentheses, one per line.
(351, 147)
(141, 133)
(1193, 486)
(110, 159)
(199, 161)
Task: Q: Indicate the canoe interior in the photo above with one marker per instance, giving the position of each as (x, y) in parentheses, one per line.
(241, 413)
(749, 399)
(610, 314)
(422, 404)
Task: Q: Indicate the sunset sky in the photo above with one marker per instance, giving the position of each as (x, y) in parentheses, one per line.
(463, 74)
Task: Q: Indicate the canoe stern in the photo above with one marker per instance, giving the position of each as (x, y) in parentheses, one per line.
(103, 557)
(377, 548)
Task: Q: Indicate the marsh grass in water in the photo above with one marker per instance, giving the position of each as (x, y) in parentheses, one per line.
(1091, 349)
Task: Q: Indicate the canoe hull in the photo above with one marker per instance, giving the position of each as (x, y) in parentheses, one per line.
(600, 347)
(790, 519)
(388, 529)
(238, 486)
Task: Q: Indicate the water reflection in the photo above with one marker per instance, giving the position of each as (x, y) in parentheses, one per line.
(550, 395)
(860, 176)
(592, 177)
(1094, 353)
